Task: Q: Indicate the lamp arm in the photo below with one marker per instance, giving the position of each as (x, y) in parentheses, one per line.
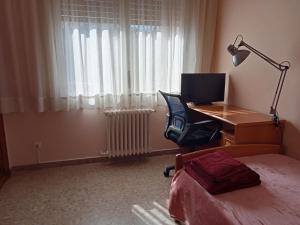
(278, 92)
(276, 97)
(273, 108)
(279, 66)
(264, 57)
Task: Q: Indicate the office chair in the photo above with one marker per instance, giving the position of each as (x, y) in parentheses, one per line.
(183, 129)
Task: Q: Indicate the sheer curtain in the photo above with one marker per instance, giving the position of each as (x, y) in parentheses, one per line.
(25, 71)
(102, 53)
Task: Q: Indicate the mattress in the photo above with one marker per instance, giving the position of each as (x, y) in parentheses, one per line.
(275, 202)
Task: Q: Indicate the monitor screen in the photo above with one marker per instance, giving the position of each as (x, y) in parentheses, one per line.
(202, 88)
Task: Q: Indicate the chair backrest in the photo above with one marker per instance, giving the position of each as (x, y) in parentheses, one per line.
(182, 130)
(177, 107)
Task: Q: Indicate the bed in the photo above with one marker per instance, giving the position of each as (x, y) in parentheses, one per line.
(275, 202)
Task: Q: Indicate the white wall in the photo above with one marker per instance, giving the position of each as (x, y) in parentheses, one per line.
(67, 135)
(271, 26)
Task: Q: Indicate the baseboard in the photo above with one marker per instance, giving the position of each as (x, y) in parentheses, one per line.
(165, 152)
(58, 163)
(91, 160)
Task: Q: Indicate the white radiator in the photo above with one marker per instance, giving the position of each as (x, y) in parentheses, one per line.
(127, 132)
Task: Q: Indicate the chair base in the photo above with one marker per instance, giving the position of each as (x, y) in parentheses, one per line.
(167, 170)
(185, 150)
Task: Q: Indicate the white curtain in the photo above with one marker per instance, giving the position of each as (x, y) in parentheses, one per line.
(71, 54)
(25, 71)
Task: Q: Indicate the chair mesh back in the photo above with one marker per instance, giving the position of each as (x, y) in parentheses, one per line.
(175, 106)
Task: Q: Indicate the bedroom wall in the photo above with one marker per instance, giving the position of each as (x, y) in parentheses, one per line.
(273, 28)
(64, 135)
(67, 135)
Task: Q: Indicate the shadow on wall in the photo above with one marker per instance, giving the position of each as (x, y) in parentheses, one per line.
(291, 137)
(231, 91)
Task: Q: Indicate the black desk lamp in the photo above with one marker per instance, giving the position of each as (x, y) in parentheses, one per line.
(239, 55)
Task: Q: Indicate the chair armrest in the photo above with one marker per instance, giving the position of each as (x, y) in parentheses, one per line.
(216, 127)
(173, 133)
(180, 119)
(203, 123)
(174, 129)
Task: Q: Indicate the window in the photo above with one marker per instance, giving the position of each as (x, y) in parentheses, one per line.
(122, 50)
(102, 53)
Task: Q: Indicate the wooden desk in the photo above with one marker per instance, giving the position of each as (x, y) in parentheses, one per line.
(242, 126)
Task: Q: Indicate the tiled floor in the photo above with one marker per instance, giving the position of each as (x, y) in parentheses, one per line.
(132, 192)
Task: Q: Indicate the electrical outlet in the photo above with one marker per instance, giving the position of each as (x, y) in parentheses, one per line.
(37, 145)
(37, 148)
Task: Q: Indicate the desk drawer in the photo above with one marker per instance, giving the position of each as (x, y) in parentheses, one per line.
(265, 133)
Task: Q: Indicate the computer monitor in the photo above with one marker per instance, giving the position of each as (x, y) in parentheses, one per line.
(202, 88)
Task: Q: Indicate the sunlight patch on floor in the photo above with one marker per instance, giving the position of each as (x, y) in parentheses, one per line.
(158, 215)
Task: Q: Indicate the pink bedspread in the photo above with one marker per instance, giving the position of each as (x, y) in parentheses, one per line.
(275, 202)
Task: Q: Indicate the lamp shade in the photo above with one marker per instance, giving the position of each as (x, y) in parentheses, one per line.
(238, 56)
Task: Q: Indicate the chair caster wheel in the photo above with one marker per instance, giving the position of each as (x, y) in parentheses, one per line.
(166, 174)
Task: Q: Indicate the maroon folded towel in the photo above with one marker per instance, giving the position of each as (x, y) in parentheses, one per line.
(222, 173)
(219, 165)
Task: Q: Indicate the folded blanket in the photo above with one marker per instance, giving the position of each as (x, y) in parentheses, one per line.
(218, 172)
(219, 165)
